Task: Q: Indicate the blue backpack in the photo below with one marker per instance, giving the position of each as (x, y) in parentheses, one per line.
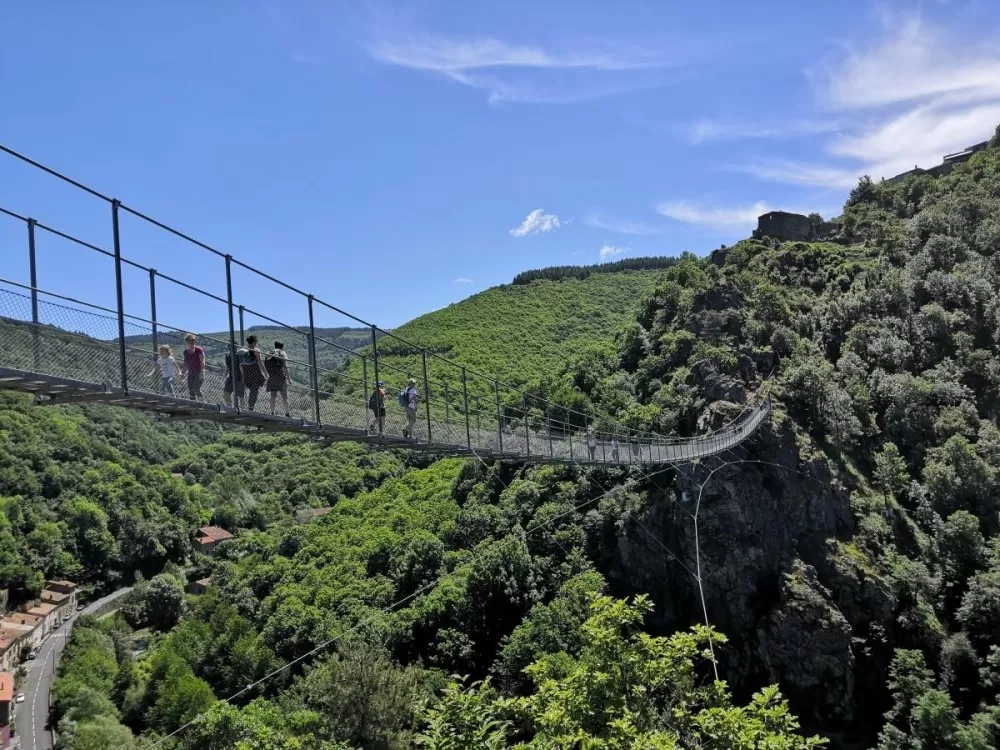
(404, 399)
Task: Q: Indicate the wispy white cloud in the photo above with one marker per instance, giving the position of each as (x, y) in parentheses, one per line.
(913, 62)
(527, 73)
(620, 226)
(462, 280)
(713, 216)
(707, 130)
(923, 93)
(802, 173)
(535, 222)
(610, 251)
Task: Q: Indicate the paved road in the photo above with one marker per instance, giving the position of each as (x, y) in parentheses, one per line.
(33, 715)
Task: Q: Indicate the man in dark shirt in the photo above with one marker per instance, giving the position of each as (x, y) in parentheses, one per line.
(194, 366)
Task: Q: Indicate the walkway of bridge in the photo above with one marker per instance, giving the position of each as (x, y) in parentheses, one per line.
(66, 349)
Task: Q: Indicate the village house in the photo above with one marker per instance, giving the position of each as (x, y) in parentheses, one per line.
(49, 614)
(62, 602)
(31, 628)
(10, 649)
(60, 588)
(208, 537)
(6, 708)
(200, 586)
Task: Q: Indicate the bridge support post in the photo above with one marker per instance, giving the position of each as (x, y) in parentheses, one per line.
(312, 360)
(496, 390)
(243, 337)
(123, 365)
(375, 362)
(548, 429)
(479, 421)
(427, 393)
(527, 435)
(364, 387)
(447, 408)
(152, 309)
(465, 403)
(33, 271)
(568, 425)
(234, 366)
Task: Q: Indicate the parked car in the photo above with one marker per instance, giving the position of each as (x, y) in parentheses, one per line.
(19, 698)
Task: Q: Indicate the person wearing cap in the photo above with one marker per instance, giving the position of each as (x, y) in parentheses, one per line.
(193, 366)
(376, 404)
(410, 393)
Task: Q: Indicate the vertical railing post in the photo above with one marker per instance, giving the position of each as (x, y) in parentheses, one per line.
(243, 337)
(548, 429)
(569, 431)
(314, 367)
(427, 392)
(604, 450)
(364, 387)
(234, 366)
(527, 435)
(33, 274)
(447, 409)
(465, 405)
(586, 436)
(152, 310)
(123, 365)
(496, 390)
(479, 421)
(375, 361)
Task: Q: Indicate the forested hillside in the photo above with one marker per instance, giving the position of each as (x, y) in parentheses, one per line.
(519, 333)
(848, 554)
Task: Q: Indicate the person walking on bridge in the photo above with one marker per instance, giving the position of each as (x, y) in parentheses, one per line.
(276, 365)
(376, 405)
(194, 366)
(408, 400)
(168, 369)
(252, 367)
(591, 442)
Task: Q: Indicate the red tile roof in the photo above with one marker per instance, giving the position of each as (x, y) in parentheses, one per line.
(53, 596)
(6, 687)
(43, 610)
(213, 534)
(67, 584)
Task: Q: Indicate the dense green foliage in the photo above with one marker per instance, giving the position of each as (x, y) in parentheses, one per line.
(558, 273)
(882, 349)
(79, 500)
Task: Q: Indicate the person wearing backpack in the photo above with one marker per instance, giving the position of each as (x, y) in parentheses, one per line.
(376, 405)
(252, 367)
(408, 400)
(276, 366)
(234, 383)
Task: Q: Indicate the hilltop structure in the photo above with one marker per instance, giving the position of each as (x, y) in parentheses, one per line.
(948, 163)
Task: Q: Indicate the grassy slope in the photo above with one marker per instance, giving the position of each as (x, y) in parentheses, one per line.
(519, 333)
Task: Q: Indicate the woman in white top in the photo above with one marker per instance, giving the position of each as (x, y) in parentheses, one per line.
(166, 365)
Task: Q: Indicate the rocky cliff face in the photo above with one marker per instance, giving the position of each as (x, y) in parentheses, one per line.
(797, 607)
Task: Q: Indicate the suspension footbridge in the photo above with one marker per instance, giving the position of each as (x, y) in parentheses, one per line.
(71, 347)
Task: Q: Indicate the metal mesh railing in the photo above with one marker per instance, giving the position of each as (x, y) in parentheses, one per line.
(320, 385)
(75, 340)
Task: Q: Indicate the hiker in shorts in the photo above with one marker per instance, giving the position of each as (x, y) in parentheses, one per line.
(252, 368)
(408, 400)
(591, 443)
(167, 366)
(376, 405)
(193, 367)
(276, 365)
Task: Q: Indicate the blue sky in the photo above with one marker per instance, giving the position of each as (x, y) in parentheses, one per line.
(393, 158)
